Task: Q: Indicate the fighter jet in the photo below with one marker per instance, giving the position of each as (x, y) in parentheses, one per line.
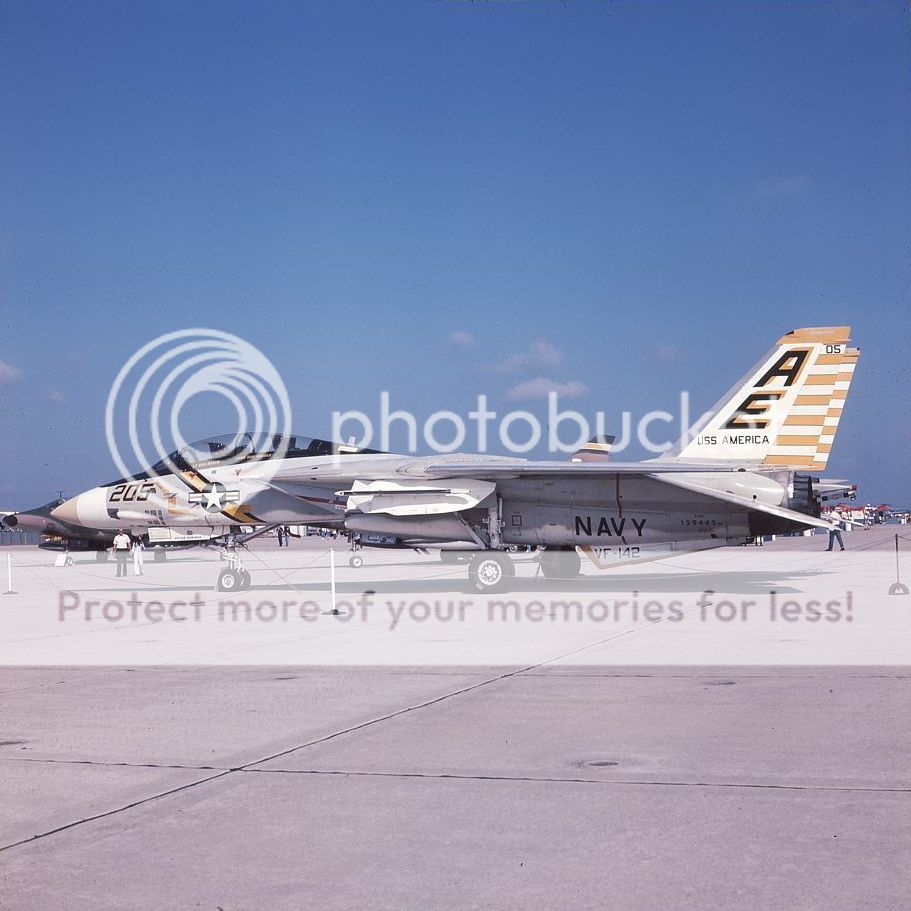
(71, 537)
(749, 467)
(57, 534)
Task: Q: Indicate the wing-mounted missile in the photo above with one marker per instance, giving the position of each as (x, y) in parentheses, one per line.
(414, 498)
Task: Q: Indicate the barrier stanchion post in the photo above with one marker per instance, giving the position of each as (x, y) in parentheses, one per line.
(9, 575)
(897, 587)
(332, 581)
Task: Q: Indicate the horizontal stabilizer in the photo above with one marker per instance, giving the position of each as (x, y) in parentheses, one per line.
(745, 502)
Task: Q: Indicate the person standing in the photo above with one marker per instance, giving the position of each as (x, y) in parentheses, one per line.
(835, 535)
(281, 535)
(121, 551)
(137, 548)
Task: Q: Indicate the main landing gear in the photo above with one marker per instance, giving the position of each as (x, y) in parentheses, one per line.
(234, 577)
(560, 564)
(491, 571)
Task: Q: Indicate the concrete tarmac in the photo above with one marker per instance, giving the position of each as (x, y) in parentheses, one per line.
(205, 762)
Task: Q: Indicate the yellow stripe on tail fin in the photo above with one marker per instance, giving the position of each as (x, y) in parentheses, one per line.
(597, 449)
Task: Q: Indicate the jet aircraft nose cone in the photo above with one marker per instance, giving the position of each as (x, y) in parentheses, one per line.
(66, 511)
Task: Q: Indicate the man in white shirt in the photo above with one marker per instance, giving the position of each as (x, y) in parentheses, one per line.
(121, 551)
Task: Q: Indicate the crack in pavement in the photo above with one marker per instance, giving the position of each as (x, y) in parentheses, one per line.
(598, 781)
(247, 767)
(364, 773)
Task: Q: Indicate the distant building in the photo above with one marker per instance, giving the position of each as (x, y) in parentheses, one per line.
(868, 514)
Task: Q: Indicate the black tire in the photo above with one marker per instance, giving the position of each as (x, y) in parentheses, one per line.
(229, 581)
(453, 556)
(490, 572)
(560, 564)
(356, 561)
(244, 580)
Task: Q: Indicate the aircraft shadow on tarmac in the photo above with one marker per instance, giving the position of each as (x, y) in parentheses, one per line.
(733, 582)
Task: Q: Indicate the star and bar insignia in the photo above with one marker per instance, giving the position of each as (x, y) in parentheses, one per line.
(214, 497)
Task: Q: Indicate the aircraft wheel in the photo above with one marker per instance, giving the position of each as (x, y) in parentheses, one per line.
(244, 580)
(490, 572)
(356, 561)
(228, 581)
(68, 561)
(560, 564)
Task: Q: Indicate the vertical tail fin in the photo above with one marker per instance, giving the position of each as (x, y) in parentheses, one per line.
(785, 411)
(597, 449)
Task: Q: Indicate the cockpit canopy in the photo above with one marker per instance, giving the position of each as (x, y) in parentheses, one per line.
(234, 449)
(242, 448)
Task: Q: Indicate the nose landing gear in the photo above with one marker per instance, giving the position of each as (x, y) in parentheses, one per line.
(234, 577)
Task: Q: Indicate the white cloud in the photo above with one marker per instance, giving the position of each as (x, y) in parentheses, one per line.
(542, 355)
(542, 386)
(462, 339)
(8, 373)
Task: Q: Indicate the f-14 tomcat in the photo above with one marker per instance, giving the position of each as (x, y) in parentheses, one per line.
(750, 467)
(56, 534)
(68, 536)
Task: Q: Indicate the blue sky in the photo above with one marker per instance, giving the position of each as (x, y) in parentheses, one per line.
(655, 191)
